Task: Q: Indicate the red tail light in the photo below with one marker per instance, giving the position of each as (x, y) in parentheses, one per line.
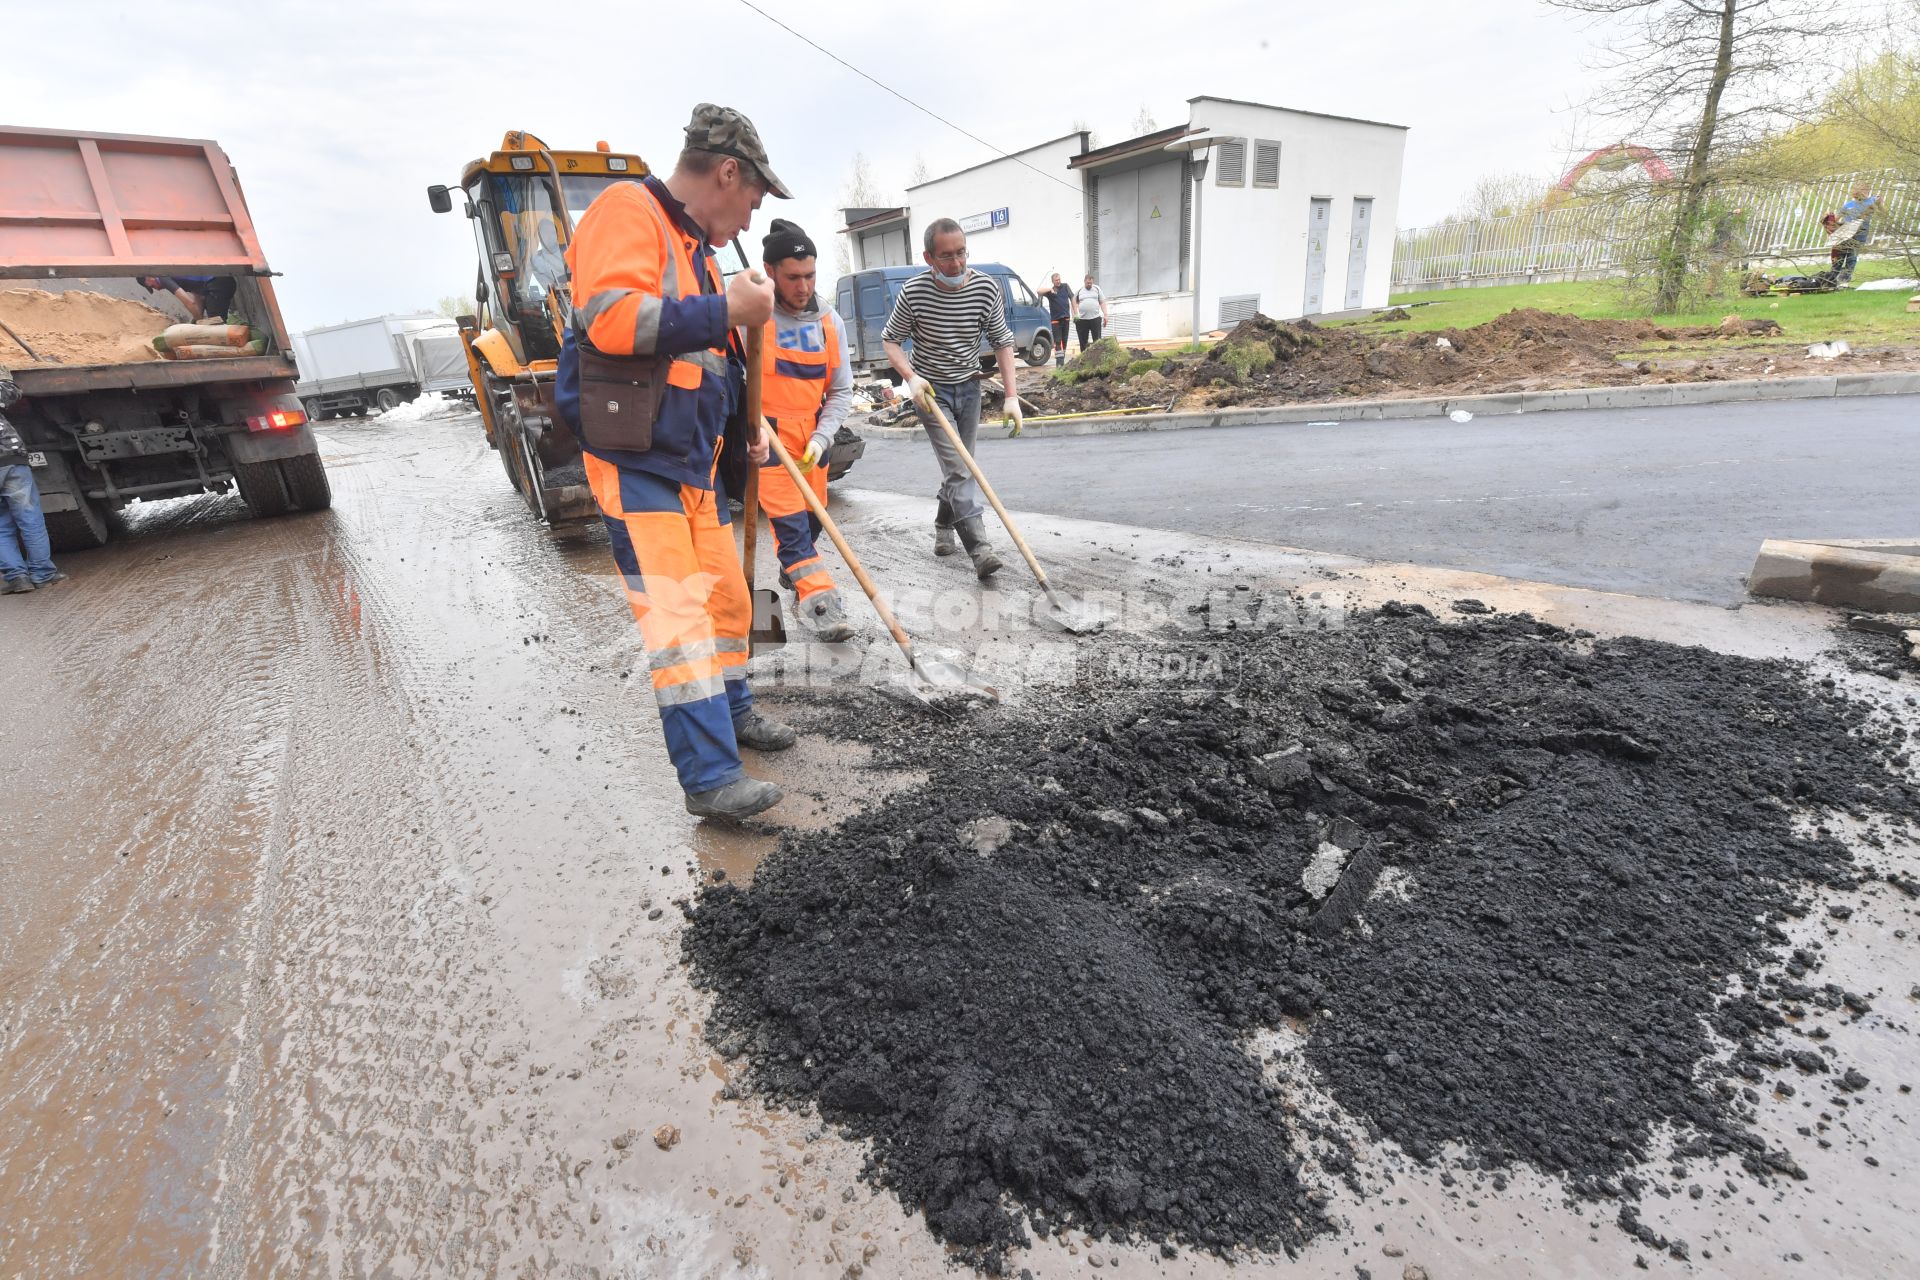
(278, 420)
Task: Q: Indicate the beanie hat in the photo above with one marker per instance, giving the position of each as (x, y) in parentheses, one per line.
(786, 240)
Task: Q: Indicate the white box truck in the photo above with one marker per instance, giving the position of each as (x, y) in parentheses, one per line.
(347, 369)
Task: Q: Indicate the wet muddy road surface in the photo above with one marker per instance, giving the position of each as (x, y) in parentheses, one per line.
(340, 932)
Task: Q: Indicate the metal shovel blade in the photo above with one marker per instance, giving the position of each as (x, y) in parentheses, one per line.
(1076, 619)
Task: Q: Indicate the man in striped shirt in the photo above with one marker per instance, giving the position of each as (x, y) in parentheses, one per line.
(946, 312)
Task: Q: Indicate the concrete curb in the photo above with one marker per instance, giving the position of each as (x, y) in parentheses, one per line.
(1881, 575)
(1336, 411)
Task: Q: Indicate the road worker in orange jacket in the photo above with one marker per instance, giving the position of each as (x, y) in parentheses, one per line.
(806, 390)
(650, 374)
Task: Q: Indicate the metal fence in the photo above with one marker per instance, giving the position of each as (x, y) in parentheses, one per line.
(1604, 238)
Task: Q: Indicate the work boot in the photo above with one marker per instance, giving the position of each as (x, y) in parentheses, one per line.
(741, 798)
(944, 543)
(973, 535)
(825, 615)
(763, 733)
(58, 576)
(16, 587)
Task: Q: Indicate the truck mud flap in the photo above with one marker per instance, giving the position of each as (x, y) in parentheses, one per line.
(270, 446)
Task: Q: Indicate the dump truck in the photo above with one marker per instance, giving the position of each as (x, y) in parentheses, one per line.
(523, 201)
(92, 214)
(376, 364)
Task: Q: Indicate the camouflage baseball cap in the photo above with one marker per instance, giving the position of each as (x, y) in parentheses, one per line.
(726, 131)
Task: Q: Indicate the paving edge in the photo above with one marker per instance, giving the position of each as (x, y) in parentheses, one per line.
(1881, 575)
(1659, 395)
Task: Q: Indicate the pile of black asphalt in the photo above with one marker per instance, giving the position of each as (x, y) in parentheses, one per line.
(1506, 885)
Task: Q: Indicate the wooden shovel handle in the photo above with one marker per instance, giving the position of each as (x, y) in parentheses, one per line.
(819, 510)
(750, 491)
(933, 406)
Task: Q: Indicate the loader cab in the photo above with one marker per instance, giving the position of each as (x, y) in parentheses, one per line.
(523, 202)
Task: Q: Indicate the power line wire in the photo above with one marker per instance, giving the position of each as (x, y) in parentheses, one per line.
(1008, 155)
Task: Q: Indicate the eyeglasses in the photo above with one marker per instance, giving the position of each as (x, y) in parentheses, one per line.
(961, 256)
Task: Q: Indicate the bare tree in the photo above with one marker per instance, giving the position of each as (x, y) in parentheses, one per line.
(920, 172)
(1712, 76)
(455, 307)
(1143, 122)
(861, 192)
(1497, 195)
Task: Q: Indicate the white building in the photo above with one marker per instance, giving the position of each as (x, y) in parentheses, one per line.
(1297, 210)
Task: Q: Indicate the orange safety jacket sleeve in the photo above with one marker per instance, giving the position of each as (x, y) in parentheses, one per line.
(626, 281)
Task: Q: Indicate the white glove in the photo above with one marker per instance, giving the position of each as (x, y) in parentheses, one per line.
(816, 450)
(919, 390)
(1015, 419)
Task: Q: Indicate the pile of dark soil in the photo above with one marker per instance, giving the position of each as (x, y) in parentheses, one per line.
(1264, 361)
(1032, 982)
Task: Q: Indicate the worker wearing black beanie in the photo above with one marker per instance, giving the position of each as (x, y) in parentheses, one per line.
(807, 388)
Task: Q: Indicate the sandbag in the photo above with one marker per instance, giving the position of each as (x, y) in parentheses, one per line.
(203, 335)
(202, 351)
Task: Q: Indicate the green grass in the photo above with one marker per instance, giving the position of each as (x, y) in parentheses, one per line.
(1874, 319)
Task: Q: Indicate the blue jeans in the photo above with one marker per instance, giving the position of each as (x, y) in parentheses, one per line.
(22, 526)
(959, 496)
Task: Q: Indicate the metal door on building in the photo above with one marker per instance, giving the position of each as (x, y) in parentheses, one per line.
(1138, 230)
(1119, 230)
(1319, 212)
(1357, 251)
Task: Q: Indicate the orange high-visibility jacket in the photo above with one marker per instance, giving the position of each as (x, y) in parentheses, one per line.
(645, 284)
(796, 375)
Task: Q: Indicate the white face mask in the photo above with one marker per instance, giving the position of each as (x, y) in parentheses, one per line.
(951, 281)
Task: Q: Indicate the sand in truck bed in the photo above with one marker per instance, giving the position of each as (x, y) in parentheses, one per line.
(78, 328)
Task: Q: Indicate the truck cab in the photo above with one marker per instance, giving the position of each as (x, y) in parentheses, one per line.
(865, 300)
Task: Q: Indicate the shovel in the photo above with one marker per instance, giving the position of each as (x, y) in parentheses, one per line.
(937, 673)
(1076, 621)
(769, 626)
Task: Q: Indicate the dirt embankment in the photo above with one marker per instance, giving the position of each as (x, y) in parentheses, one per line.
(78, 328)
(1481, 890)
(1265, 361)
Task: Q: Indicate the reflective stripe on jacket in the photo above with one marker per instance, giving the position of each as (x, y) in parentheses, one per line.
(645, 285)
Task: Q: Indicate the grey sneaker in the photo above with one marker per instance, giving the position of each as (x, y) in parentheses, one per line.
(827, 617)
(763, 732)
(741, 798)
(944, 543)
(16, 587)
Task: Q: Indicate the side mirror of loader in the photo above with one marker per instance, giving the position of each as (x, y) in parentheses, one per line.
(439, 198)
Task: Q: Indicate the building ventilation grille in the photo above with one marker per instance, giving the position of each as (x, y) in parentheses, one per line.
(1233, 163)
(1266, 164)
(1243, 306)
(1126, 324)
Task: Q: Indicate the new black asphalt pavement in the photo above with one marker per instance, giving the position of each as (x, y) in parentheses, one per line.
(1670, 502)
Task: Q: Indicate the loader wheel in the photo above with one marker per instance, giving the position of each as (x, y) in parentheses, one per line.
(262, 487)
(306, 481)
(80, 530)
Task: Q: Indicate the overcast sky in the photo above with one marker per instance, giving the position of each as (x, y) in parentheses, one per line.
(338, 115)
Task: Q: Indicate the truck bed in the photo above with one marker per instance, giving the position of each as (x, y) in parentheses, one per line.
(69, 379)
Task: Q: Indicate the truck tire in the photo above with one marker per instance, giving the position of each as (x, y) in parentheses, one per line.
(262, 487)
(312, 407)
(306, 481)
(79, 530)
(386, 399)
